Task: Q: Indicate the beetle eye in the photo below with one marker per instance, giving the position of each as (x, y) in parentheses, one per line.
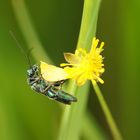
(34, 68)
(30, 72)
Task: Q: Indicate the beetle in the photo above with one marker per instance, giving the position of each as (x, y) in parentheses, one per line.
(53, 90)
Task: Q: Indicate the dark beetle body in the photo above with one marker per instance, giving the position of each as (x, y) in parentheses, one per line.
(40, 85)
(51, 90)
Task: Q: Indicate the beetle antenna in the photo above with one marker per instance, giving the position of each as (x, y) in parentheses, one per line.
(26, 54)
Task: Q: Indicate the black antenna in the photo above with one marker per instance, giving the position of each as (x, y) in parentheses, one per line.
(21, 48)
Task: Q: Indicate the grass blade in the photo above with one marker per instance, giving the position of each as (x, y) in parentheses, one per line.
(73, 116)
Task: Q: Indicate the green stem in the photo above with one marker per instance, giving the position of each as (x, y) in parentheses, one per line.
(66, 116)
(112, 125)
(73, 116)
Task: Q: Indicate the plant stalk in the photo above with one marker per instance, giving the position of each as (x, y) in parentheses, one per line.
(109, 118)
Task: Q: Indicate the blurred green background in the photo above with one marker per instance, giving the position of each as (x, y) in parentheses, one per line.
(25, 115)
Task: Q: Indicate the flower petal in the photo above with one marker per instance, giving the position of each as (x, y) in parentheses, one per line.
(71, 58)
(52, 73)
(94, 45)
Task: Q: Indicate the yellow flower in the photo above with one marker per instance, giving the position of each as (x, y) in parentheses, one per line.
(84, 66)
(52, 73)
